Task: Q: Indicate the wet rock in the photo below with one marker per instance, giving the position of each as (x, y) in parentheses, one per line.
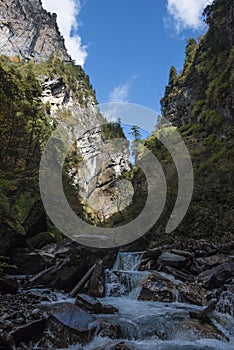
(93, 305)
(108, 309)
(217, 276)
(192, 293)
(203, 330)
(205, 313)
(96, 284)
(182, 275)
(121, 346)
(110, 330)
(8, 285)
(30, 332)
(158, 288)
(70, 325)
(173, 260)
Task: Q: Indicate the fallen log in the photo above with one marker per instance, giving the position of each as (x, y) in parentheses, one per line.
(77, 288)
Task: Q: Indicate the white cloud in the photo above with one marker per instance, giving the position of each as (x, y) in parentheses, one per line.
(67, 12)
(119, 93)
(186, 14)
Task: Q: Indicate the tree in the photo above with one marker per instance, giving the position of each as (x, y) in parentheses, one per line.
(190, 51)
(172, 76)
(136, 141)
(172, 80)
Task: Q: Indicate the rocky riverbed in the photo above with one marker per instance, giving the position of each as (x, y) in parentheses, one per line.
(63, 294)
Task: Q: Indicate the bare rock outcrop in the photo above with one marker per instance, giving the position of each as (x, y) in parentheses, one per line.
(29, 31)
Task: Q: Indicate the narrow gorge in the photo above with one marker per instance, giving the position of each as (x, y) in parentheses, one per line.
(171, 291)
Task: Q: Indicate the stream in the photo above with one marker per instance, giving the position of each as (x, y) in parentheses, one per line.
(151, 325)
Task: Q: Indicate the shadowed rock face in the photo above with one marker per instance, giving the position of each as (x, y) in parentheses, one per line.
(27, 30)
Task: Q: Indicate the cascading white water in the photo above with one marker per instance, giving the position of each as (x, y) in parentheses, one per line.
(125, 279)
(226, 303)
(126, 261)
(152, 325)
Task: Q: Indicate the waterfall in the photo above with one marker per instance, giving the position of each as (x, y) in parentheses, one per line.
(125, 279)
(149, 325)
(128, 261)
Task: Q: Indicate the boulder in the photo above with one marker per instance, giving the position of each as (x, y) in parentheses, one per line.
(185, 253)
(67, 326)
(96, 284)
(173, 260)
(108, 309)
(201, 329)
(182, 275)
(41, 240)
(205, 313)
(111, 330)
(217, 276)
(192, 293)
(8, 285)
(158, 288)
(93, 305)
(204, 263)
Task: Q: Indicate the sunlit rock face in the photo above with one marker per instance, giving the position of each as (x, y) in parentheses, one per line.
(101, 163)
(27, 30)
(31, 33)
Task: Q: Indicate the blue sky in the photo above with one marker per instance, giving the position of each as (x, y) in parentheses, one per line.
(128, 46)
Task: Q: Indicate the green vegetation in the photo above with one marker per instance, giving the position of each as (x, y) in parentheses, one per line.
(112, 130)
(24, 130)
(199, 101)
(202, 101)
(136, 143)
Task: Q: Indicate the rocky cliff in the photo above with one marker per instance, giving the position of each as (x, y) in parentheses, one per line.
(27, 30)
(41, 88)
(206, 81)
(200, 102)
(101, 163)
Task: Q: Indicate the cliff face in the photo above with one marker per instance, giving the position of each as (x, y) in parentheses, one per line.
(27, 30)
(49, 88)
(206, 81)
(200, 102)
(101, 163)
